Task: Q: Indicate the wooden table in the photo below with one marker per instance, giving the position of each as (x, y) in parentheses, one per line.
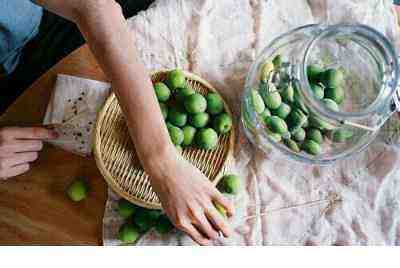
(33, 207)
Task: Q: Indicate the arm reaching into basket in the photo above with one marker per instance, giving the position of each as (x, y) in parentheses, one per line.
(186, 194)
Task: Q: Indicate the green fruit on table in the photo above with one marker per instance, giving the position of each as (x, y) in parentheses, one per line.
(292, 145)
(176, 79)
(287, 94)
(315, 135)
(145, 220)
(299, 134)
(164, 109)
(264, 115)
(199, 120)
(164, 225)
(296, 119)
(125, 208)
(181, 93)
(257, 101)
(277, 61)
(176, 134)
(312, 147)
(283, 110)
(314, 73)
(277, 125)
(333, 78)
(128, 233)
(331, 104)
(335, 94)
(177, 117)
(222, 123)
(188, 135)
(318, 91)
(341, 135)
(230, 184)
(195, 103)
(221, 209)
(215, 105)
(162, 91)
(207, 138)
(271, 99)
(77, 190)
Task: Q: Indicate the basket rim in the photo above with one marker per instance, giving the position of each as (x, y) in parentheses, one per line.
(98, 141)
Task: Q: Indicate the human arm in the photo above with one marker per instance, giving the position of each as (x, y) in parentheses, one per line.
(186, 194)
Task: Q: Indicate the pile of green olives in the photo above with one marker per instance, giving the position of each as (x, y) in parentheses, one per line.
(138, 220)
(278, 104)
(191, 118)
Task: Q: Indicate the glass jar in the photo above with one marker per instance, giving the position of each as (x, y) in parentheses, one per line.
(337, 86)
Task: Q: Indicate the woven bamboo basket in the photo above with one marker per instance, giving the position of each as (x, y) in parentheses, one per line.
(117, 161)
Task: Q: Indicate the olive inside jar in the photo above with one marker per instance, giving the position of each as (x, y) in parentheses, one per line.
(321, 93)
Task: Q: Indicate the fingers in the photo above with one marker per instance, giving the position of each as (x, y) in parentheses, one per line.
(202, 223)
(28, 133)
(225, 202)
(195, 235)
(19, 146)
(14, 171)
(218, 221)
(17, 159)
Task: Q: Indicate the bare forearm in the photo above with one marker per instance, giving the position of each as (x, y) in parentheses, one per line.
(113, 45)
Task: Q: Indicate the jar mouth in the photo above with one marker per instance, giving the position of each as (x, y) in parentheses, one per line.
(369, 62)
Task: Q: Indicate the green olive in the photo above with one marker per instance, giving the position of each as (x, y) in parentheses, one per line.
(312, 147)
(274, 136)
(314, 73)
(162, 91)
(199, 120)
(78, 190)
(341, 135)
(222, 123)
(128, 233)
(292, 145)
(318, 91)
(335, 94)
(315, 135)
(283, 110)
(207, 139)
(257, 101)
(164, 109)
(296, 119)
(299, 134)
(298, 100)
(176, 79)
(176, 134)
(317, 122)
(177, 117)
(287, 94)
(125, 208)
(145, 219)
(188, 135)
(164, 225)
(272, 99)
(277, 61)
(264, 115)
(331, 104)
(266, 70)
(333, 78)
(181, 93)
(277, 125)
(215, 104)
(230, 184)
(195, 103)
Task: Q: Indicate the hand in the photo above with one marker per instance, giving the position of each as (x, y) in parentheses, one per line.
(187, 197)
(20, 146)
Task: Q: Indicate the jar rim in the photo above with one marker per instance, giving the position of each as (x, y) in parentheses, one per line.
(365, 32)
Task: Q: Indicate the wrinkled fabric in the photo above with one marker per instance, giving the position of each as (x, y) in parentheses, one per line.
(353, 202)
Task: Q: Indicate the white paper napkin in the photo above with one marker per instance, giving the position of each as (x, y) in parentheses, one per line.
(73, 110)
